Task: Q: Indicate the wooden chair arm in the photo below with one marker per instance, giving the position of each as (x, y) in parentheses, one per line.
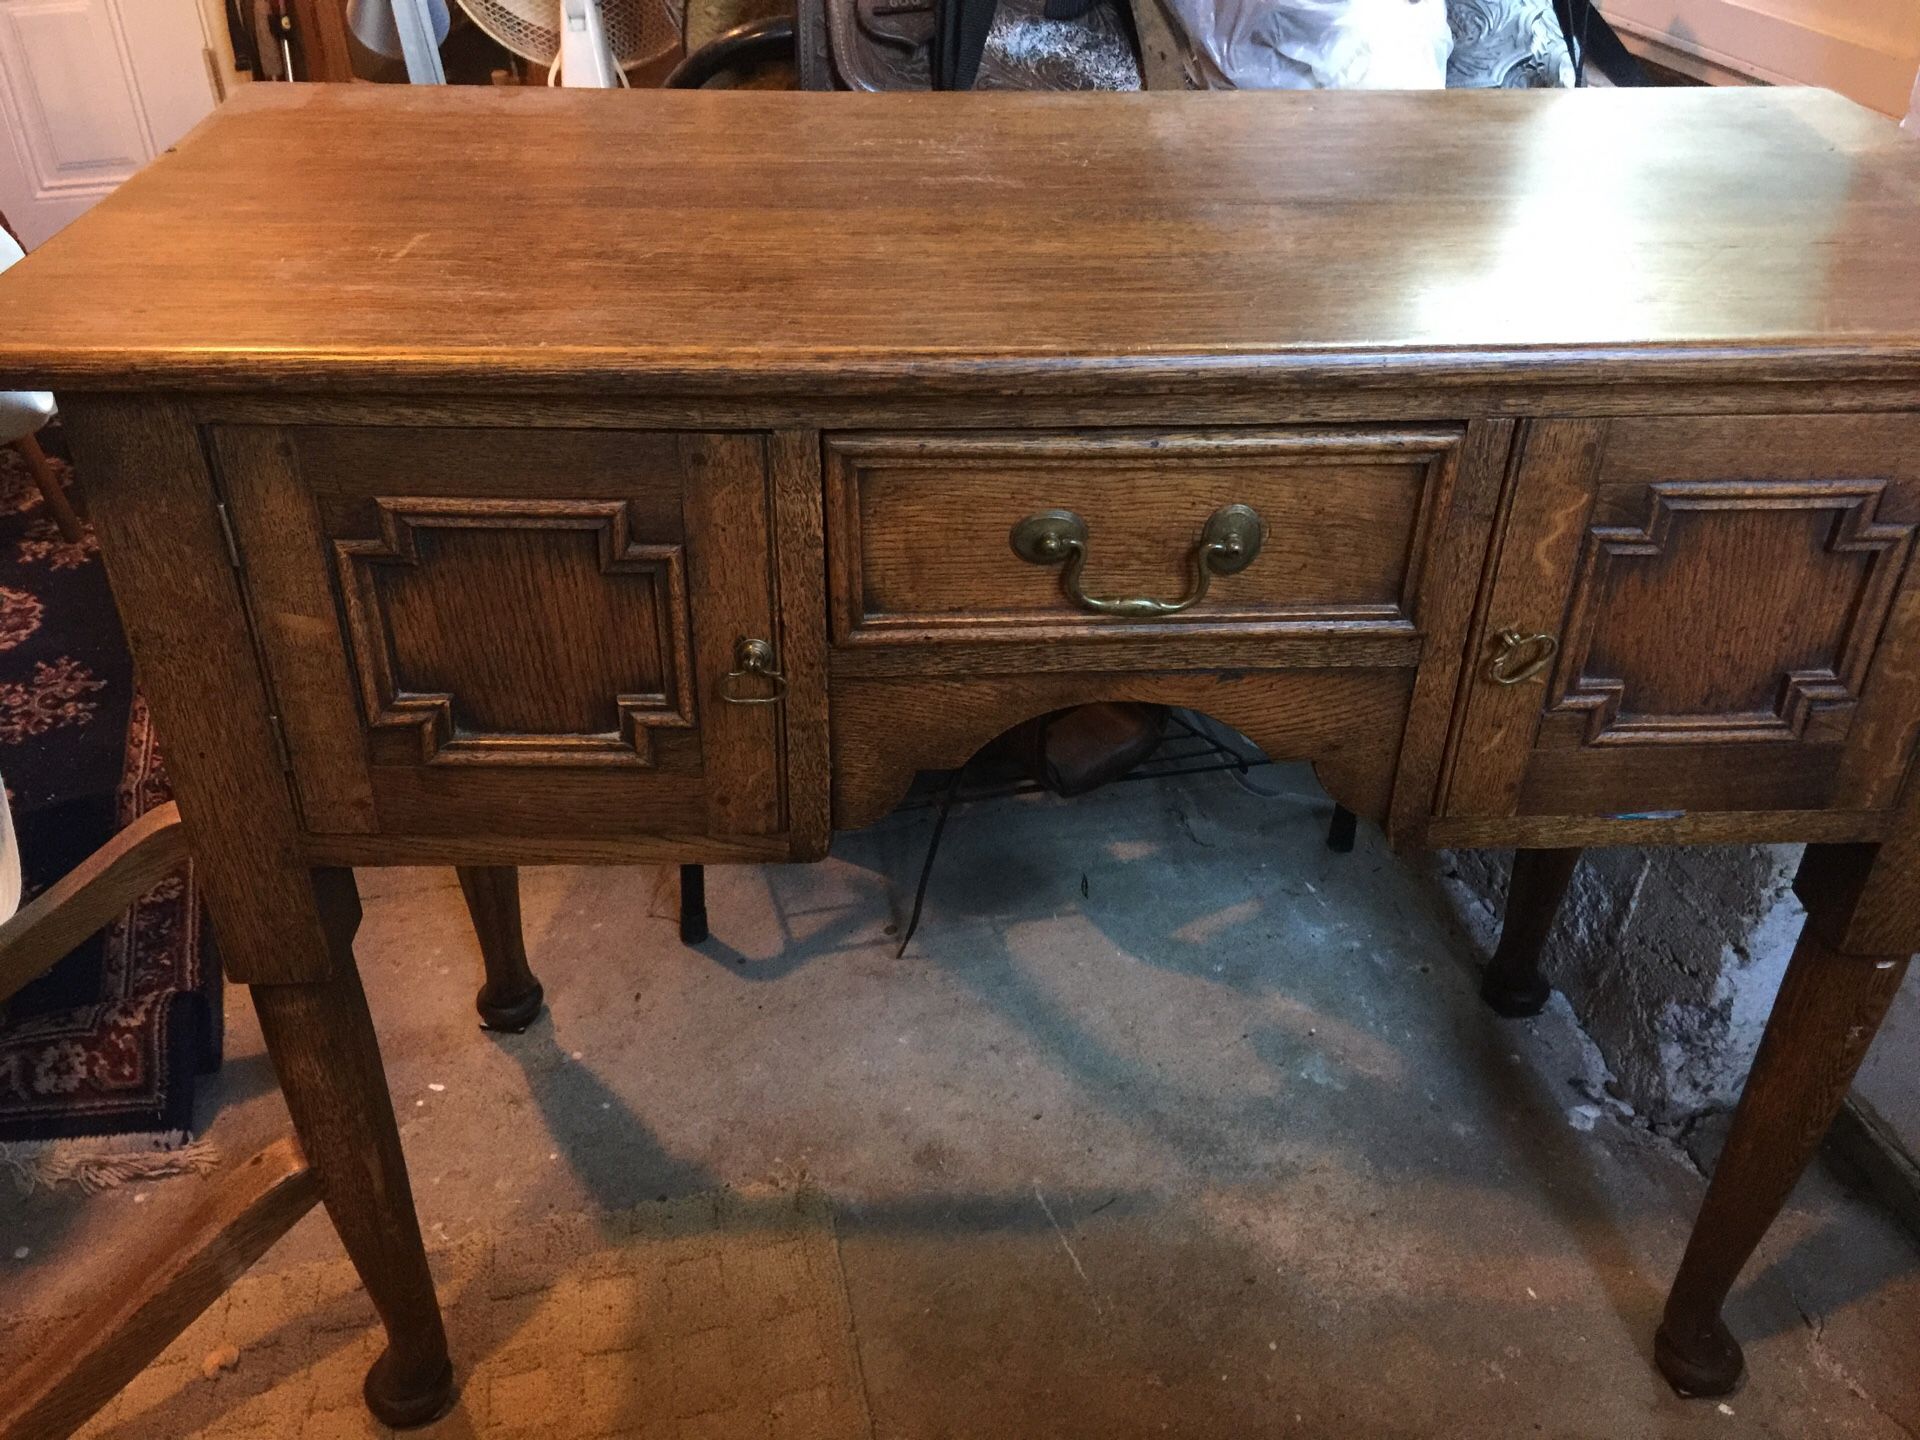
(183, 1271)
(89, 896)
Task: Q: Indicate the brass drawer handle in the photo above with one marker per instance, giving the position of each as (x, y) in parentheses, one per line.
(1227, 546)
(755, 660)
(1520, 658)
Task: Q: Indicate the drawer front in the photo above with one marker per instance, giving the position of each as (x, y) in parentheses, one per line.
(511, 632)
(1340, 643)
(922, 526)
(1736, 611)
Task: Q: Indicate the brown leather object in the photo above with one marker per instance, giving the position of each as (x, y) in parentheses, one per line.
(885, 44)
(1080, 749)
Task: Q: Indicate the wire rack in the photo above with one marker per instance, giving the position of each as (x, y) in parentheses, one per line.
(1190, 752)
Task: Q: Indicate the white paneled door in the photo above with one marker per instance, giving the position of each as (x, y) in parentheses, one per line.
(90, 90)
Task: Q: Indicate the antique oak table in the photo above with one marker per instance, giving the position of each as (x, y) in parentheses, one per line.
(493, 477)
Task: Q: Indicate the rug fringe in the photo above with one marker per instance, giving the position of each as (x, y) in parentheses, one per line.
(103, 1162)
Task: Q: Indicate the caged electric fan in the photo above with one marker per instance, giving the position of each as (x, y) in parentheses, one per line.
(581, 42)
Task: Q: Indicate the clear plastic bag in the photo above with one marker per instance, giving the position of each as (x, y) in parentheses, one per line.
(1318, 44)
(1912, 123)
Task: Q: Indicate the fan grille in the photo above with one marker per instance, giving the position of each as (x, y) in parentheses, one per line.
(637, 30)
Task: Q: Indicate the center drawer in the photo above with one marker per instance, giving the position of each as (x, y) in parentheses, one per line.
(1118, 526)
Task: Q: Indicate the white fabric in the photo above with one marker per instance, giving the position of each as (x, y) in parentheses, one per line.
(10, 883)
(1510, 44)
(21, 411)
(1319, 44)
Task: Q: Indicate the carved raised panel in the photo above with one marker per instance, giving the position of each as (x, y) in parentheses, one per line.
(1737, 611)
(522, 632)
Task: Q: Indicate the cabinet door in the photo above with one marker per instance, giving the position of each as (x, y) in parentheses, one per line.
(512, 633)
(1736, 614)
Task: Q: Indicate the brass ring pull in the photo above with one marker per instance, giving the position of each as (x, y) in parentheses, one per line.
(1520, 658)
(755, 661)
(1227, 546)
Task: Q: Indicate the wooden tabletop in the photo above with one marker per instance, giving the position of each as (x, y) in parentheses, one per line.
(386, 236)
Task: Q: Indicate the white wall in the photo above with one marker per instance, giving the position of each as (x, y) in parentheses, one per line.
(1867, 49)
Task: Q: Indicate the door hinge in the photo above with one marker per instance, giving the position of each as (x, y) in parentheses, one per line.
(280, 742)
(274, 722)
(226, 532)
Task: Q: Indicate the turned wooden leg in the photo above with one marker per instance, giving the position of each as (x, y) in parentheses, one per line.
(324, 1051)
(1513, 984)
(693, 904)
(1343, 831)
(58, 506)
(1828, 1009)
(510, 999)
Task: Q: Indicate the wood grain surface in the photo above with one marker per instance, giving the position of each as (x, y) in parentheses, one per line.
(1829, 1007)
(156, 512)
(409, 494)
(1735, 612)
(921, 522)
(355, 237)
(320, 1038)
(1348, 722)
(512, 630)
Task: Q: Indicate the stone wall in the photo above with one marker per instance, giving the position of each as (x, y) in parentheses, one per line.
(1669, 957)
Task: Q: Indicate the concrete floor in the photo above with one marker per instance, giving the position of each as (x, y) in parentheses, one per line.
(1169, 1123)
